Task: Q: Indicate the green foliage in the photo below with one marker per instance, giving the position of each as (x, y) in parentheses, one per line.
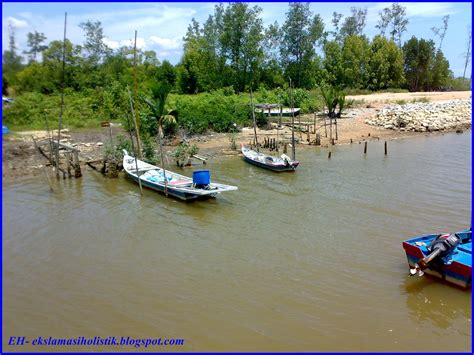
(385, 64)
(210, 111)
(32, 109)
(300, 33)
(458, 84)
(334, 98)
(424, 70)
(149, 150)
(183, 152)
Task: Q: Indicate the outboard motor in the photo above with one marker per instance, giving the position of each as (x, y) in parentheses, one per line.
(443, 245)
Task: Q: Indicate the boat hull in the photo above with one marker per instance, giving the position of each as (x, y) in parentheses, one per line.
(455, 269)
(171, 192)
(178, 186)
(276, 168)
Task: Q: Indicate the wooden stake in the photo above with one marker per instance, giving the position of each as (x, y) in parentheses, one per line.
(254, 121)
(133, 145)
(44, 165)
(135, 90)
(293, 147)
(329, 155)
(365, 147)
(77, 164)
(385, 145)
(68, 163)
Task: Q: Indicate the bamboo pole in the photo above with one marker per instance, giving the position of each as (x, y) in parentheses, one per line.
(161, 153)
(61, 110)
(254, 121)
(293, 148)
(135, 93)
(133, 145)
(44, 166)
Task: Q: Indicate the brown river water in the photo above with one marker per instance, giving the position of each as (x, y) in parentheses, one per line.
(304, 261)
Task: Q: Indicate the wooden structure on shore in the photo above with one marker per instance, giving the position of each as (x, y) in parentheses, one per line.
(68, 165)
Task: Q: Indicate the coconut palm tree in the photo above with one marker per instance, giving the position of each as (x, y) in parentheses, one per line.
(157, 105)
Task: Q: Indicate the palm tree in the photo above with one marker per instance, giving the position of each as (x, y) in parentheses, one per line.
(160, 92)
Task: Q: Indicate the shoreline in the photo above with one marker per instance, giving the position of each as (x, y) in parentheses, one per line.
(19, 157)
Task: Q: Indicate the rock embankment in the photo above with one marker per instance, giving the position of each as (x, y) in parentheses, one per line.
(423, 117)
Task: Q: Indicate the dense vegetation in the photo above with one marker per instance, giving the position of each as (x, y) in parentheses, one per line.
(223, 58)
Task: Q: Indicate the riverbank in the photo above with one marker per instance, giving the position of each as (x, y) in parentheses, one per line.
(20, 158)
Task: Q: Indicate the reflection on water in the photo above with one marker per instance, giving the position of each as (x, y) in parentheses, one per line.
(428, 305)
(308, 261)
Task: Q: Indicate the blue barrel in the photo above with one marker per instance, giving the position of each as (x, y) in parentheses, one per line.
(201, 177)
(5, 130)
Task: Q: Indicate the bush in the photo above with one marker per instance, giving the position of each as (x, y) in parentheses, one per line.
(31, 110)
(210, 111)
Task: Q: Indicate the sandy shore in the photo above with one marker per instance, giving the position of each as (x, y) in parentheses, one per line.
(20, 158)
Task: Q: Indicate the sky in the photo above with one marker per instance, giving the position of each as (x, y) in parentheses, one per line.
(161, 26)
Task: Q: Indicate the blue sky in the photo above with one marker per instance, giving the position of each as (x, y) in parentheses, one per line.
(161, 26)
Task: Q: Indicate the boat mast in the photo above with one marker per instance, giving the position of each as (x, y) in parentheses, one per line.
(293, 148)
(254, 122)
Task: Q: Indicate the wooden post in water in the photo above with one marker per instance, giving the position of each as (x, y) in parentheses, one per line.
(335, 124)
(385, 146)
(365, 147)
(329, 155)
(44, 165)
(68, 163)
(77, 164)
(318, 139)
(351, 140)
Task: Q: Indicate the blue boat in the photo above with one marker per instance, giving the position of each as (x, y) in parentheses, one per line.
(447, 257)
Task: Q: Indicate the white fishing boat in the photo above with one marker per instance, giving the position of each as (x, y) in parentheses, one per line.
(173, 184)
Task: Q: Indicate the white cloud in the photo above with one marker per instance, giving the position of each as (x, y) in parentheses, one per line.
(434, 9)
(26, 15)
(167, 43)
(111, 44)
(417, 9)
(141, 44)
(17, 23)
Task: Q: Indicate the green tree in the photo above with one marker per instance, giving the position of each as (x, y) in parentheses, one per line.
(386, 64)
(34, 42)
(354, 25)
(11, 60)
(301, 32)
(441, 31)
(241, 42)
(440, 73)
(94, 45)
(395, 17)
(418, 56)
(333, 70)
(399, 22)
(355, 61)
